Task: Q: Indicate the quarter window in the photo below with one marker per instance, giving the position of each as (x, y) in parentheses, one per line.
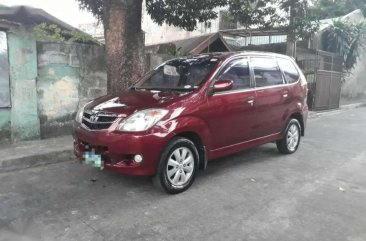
(238, 72)
(289, 70)
(266, 72)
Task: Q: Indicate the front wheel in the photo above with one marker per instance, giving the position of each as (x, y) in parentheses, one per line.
(177, 167)
(291, 139)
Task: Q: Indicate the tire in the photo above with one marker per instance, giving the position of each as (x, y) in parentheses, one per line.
(291, 139)
(177, 167)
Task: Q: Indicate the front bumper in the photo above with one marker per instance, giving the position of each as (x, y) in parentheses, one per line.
(118, 149)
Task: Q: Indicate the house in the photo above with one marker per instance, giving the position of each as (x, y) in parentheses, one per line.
(42, 83)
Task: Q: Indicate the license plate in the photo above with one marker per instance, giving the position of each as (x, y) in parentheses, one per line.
(95, 160)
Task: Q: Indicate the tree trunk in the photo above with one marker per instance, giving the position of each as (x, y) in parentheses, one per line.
(125, 43)
(290, 45)
(290, 48)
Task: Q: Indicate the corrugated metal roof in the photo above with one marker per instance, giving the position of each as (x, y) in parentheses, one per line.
(196, 45)
(189, 44)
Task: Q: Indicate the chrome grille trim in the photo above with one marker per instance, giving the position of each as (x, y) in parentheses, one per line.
(98, 120)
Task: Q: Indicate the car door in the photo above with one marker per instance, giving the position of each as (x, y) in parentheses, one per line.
(230, 114)
(295, 93)
(271, 95)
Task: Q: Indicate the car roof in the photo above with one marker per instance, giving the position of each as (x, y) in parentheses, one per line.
(225, 55)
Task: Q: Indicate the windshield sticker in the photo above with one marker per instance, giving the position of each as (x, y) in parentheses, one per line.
(214, 60)
(170, 70)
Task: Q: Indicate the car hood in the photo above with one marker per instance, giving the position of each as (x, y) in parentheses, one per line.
(128, 102)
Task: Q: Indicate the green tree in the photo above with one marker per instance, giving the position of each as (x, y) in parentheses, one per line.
(293, 16)
(52, 32)
(255, 13)
(125, 39)
(336, 8)
(345, 39)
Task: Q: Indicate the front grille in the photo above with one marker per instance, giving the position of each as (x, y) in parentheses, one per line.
(98, 120)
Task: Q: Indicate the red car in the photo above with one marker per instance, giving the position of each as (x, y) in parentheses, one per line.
(191, 110)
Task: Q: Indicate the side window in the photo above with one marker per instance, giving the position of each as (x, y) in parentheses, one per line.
(266, 72)
(238, 72)
(289, 70)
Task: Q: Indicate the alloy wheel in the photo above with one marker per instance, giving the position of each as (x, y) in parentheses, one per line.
(180, 166)
(292, 139)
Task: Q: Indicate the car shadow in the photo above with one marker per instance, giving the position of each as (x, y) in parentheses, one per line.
(215, 167)
(241, 159)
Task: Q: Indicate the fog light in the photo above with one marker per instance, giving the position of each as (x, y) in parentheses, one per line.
(138, 158)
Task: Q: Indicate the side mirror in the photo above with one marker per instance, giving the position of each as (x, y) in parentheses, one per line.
(222, 85)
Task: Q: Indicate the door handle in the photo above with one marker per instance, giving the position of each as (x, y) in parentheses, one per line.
(251, 100)
(285, 94)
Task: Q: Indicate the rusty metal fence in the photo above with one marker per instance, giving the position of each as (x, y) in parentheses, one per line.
(324, 75)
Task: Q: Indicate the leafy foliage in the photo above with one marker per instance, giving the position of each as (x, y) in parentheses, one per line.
(52, 32)
(291, 15)
(336, 8)
(183, 13)
(173, 51)
(301, 22)
(93, 6)
(250, 13)
(255, 13)
(346, 39)
(48, 32)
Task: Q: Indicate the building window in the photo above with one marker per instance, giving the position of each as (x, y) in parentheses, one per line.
(4, 72)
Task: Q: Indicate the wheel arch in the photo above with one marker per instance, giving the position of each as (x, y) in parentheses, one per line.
(298, 116)
(196, 130)
(197, 141)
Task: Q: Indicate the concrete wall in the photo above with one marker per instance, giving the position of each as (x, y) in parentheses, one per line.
(5, 134)
(355, 84)
(68, 76)
(49, 81)
(23, 74)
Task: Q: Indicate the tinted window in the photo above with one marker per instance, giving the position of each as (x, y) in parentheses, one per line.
(238, 72)
(289, 70)
(266, 72)
(4, 72)
(182, 73)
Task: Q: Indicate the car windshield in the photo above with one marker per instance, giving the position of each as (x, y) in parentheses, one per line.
(179, 74)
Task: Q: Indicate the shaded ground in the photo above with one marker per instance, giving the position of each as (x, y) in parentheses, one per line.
(317, 193)
(347, 101)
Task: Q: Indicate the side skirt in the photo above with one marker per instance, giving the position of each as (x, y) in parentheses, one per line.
(227, 150)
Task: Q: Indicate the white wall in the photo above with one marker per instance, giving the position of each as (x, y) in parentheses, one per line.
(355, 84)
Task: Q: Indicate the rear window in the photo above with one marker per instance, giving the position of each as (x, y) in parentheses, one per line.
(289, 70)
(266, 72)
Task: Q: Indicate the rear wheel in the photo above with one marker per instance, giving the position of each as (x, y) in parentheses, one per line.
(177, 166)
(291, 139)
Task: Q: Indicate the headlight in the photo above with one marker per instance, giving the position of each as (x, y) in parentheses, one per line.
(79, 114)
(142, 120)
